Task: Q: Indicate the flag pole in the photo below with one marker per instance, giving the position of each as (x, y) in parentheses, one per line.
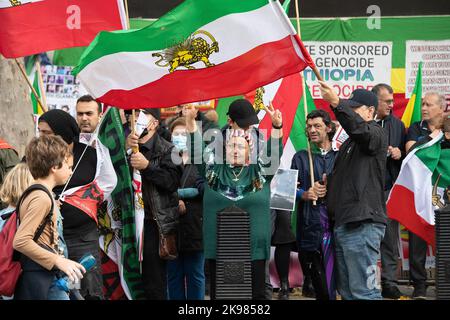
(314, 68)
(40, 82)
(36, 96)
(305, 104)
(133, 114)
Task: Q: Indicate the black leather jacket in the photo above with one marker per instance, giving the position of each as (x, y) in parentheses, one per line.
(160, 181)
(356, 188)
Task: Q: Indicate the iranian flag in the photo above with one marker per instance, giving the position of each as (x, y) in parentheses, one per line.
(109, 201)
(201, 50)
(30, 27)
(419, 188)
(291, 98)
(288, 96)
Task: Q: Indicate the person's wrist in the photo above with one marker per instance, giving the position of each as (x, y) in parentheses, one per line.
(277, 126)
(191, 126)
(335, 102)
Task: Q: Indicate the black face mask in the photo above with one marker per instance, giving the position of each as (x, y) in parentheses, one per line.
(445, 144)
(144, 133)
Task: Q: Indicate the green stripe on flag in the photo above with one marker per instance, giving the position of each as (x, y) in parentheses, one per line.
(171, 29)
(286, 5)
(71, 56)
(222, 109)
(429, 156)
(442, 169)
(111, 135)
(413, 112)
(36, 108)
(297, 134)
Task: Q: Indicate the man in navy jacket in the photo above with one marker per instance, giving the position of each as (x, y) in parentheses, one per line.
(312, 220)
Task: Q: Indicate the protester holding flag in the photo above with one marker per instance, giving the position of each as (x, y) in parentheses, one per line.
(80, 226)
(314, 232)
(160, 182)
(395, 131)
(433, 106)
(237, 177)
(356, 193)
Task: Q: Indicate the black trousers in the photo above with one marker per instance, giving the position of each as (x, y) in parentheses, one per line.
(258, 279)
(91, 286)
(312, 267)
(389, 252)
(154, 269)
(417, 258)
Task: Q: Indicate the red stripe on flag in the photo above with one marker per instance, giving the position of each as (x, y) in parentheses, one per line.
(401, 207)
(287, 100)
(42, 26)
(258, 67)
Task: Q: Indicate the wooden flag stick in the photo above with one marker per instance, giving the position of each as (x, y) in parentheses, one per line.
(314, 68)
(36, 96)
(133, 114)
(126, 12)
(305, 104)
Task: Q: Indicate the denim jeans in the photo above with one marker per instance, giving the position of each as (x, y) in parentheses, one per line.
(54, 293)
(186, 276)
(357, 252)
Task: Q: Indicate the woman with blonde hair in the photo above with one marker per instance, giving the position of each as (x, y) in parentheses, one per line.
(16, 182)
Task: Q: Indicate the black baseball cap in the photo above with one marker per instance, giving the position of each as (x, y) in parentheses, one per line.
(242, 112)
(361, 97)
(155, 112)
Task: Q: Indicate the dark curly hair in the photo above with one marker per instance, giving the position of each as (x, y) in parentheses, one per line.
(325, 118)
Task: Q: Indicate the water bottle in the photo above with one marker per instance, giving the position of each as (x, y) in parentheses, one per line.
(88, 262)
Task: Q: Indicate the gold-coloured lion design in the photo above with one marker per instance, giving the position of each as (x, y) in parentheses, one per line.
(15, 2)
(436, 198)
(259, 103)
(192, 50)
(105, 224)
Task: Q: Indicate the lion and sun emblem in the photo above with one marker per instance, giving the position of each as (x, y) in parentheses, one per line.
(194, 49)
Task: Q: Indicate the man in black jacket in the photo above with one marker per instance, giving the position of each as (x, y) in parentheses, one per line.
(356, 194)
(160, 182)
(395, 131)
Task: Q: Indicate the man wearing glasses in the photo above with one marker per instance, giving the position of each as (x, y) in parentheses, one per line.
(395, 131)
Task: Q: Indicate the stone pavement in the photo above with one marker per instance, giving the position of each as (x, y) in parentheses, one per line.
(405, 289)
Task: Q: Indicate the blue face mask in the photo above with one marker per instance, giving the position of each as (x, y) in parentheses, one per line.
(180, 142)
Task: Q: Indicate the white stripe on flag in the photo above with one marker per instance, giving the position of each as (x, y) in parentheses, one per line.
(288, 154)
(414, 177)
(236, 34)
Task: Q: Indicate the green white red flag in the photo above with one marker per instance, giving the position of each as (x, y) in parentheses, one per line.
(201, 50)
(419, 188)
